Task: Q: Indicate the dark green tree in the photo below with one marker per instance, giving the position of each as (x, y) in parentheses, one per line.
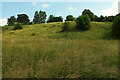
(42, 16)
(36, 17)
(89, 13)
(102, 19)
(70, 18)
(96, 18)
(11, 21)
(51, 18)
(58, 19)
(110, 18)
(55, 19)
(39, 17)
(83, 22)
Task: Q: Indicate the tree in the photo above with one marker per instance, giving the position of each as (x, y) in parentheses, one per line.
(51, 18)
(89, 13)
(42, 16)
(116, 27)
(70, 18)
(55, 19)
(58, 19)
(96, 18)
(110, 18)
(102, 19)
(11, 21)
(83, 23)
(23, 18)
(118, 14)
(39, 17)
(36, 17)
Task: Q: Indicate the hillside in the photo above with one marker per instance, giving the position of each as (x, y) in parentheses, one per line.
(99, 30)
(42, 51)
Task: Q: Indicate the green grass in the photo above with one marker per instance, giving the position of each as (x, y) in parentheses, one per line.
(42, 51)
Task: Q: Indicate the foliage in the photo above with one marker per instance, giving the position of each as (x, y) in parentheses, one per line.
(42, 16)
(11, 21)
(102, 19)
(70, 18)
(55, 19)
(69, 26)
(96, 18)
(59, 19)
(51, 18)
(18, 26)
(110, 18)
(36, 17)
(23, 18)
(83, 23)
(39, 17)
(89, 13)
(116, 27)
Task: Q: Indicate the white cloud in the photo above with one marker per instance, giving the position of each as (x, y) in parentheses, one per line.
(45, 5)
(34, 3)
(111, 11)
(70, 8)
(3, 22)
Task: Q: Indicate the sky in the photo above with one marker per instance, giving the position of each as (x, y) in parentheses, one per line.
(56, 8)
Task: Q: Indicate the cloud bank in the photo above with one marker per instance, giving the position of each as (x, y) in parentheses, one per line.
(3, 22)
(110, 11)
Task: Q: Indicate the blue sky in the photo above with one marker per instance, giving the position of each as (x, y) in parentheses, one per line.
(55, 8)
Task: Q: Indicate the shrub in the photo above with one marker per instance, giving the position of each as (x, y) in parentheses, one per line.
(33, 34)
(83, 23)
(69, 26)
(70, 18)
(18, 26)
(116, 27)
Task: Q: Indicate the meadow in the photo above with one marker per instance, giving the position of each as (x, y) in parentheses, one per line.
(43, 51)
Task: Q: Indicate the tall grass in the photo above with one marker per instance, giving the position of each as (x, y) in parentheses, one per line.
(48, 55)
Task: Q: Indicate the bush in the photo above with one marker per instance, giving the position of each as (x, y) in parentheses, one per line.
(83, 23)
(69, 26)
(116, 27)
(33, 34)
(18, 26)
(70, 18)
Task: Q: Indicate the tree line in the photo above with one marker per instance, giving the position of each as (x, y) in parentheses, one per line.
(40, 17)
(82, 22)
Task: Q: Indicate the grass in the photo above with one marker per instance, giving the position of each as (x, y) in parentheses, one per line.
(42, 51)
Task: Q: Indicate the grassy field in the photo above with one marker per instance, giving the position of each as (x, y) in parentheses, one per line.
(42, 51)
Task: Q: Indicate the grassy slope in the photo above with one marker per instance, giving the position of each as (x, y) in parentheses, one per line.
(90, 54)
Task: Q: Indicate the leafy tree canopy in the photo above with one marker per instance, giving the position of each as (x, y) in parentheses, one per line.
(11, 21)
